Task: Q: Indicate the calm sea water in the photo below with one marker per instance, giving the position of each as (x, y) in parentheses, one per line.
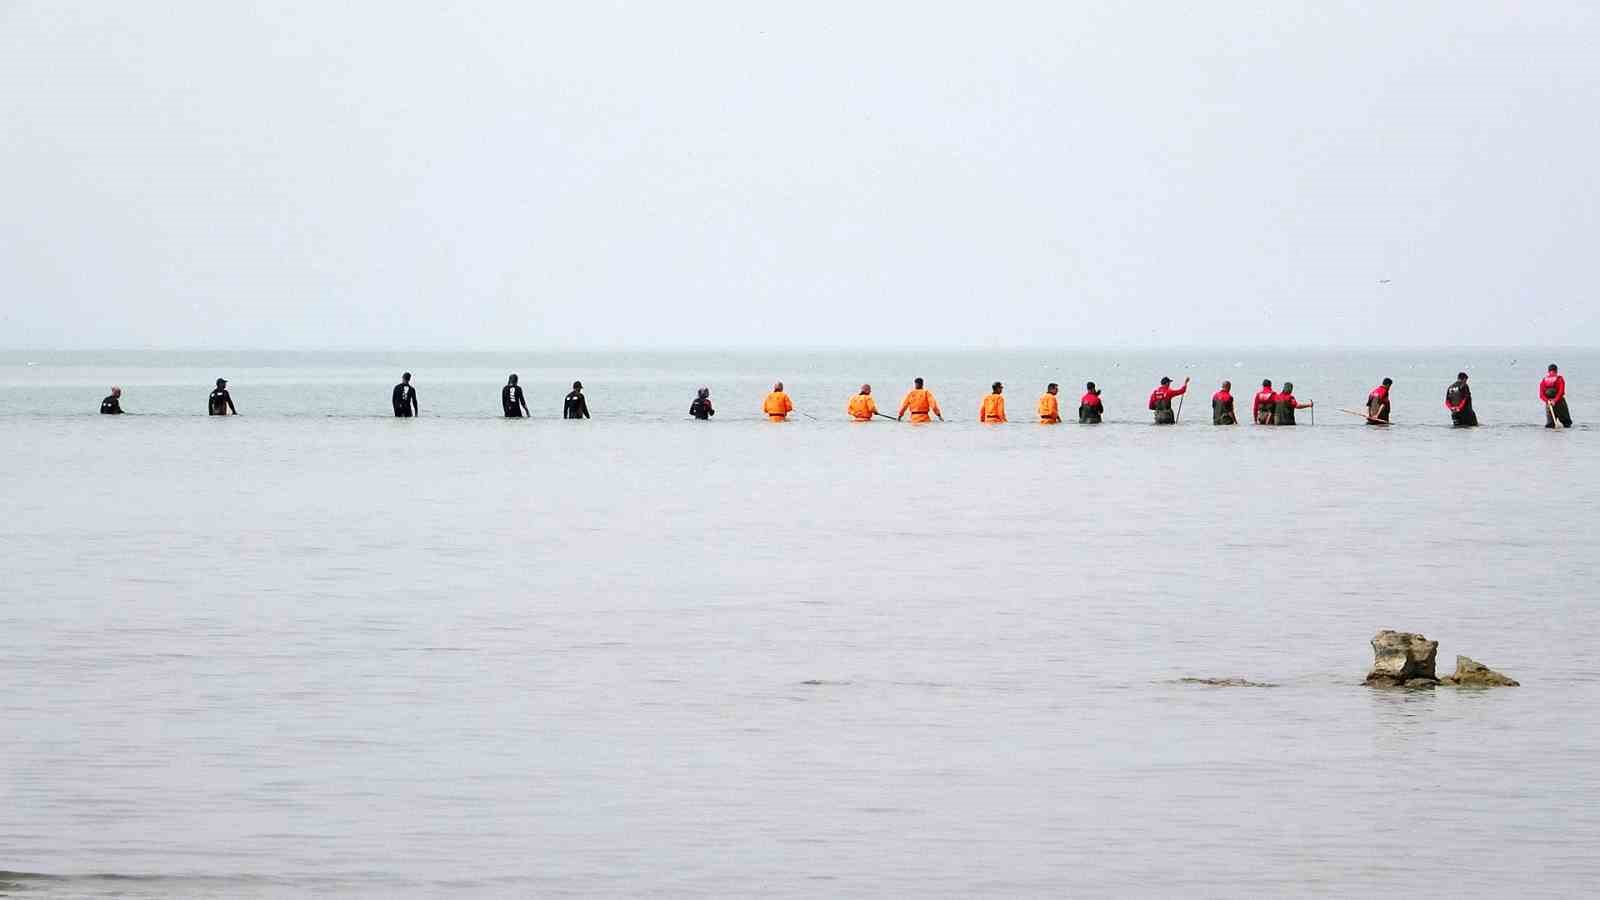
(316, 649)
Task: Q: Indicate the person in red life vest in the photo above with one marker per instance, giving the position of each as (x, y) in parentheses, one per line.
(1378, 403)
(1090, 408)
(1265, 406)
(1553, 391)
(1458, 399)
(1284, 404)
(1222, 406)
(1161, 401)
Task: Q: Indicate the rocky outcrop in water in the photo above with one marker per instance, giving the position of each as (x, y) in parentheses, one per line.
(1402, 659)
(1471, 673)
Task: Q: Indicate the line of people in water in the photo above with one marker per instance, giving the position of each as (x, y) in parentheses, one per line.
(1270, 406)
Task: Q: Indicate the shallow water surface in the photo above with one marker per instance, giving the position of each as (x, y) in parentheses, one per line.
(316, 649)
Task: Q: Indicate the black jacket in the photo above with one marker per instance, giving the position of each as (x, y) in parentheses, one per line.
(575, 407)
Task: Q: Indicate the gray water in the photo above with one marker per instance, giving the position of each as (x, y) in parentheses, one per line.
(316, 649)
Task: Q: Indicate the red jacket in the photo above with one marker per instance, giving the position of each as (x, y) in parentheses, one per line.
(1264, 397)
(1166, 392)
(1552, 381)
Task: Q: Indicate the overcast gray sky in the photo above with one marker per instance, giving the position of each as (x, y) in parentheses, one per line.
(510, 175)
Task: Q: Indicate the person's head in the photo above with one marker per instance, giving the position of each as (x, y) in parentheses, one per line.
(1552, 370)
(1288, 387)
(1461, 376)
(1089, 386)
(778, 386)
(705, 393)
(511, 380)
(222, 382)
(1227, 385)
(916, 382)
(116, 391)
(1266, 383)
(866, 389)
(1165, 380)
(1051, 388)
(577, 385)
(997, 387)
(1388, 382)
(405, 377)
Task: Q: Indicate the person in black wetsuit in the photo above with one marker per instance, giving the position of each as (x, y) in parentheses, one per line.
(701, 407)
(511, 400)
(221, 402)
(112, 405)
(404, 399)
(1458, 399)
(575, 407)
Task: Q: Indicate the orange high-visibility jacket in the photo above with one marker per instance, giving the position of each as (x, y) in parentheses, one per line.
(993, 409)
(777, 406)
(862, 407)
(1049, 410)
(920, 401)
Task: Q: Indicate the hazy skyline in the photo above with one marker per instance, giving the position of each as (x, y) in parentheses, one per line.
(588, 176)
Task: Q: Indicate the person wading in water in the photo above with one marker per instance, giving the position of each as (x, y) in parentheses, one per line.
(1090, 408)
(1265, 405)
(1161, 401)
(777, 406)
(919, 401)
(993, 410)
(1049, 406)
(1458, 399)
(404, 398)
(574, 406)
(1553, 391)
(512, 401)
(1378, 403)
(1285, 405)
(1222, 406)
(701, 407)
(862, 408)
(221, 402)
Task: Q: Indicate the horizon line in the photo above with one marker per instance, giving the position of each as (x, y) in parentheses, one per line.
(809, 348)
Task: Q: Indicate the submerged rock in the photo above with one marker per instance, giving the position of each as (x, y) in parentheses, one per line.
(1226, 682)
(1402, 659)
(1471, 673)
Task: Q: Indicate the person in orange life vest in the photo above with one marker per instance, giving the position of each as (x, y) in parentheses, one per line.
(1265, 405)
(862, 407)
(777, 406)
(1161, 400)
(1285, 404)
(993, 410)
(1222, 406)
(1049, 407)
(1458, 399)
(1378, 403)
(1090, 407)
(920, 401)
(1553, 391)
